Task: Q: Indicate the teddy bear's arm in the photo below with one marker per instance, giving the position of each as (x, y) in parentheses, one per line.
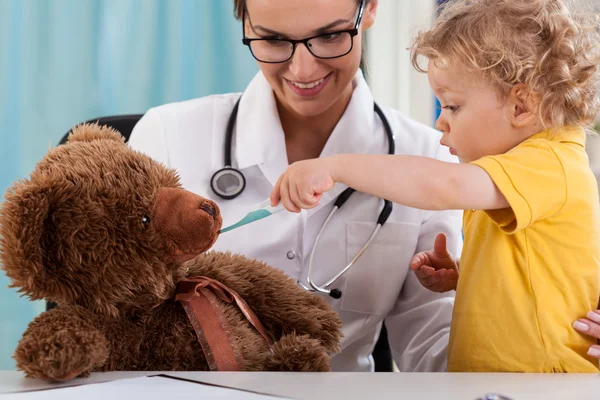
(61, 344)
(281, 305)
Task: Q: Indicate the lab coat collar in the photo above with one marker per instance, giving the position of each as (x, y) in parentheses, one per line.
(259, 137)
(354, 132)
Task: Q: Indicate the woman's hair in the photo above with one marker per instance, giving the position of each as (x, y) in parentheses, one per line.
(539, 43)
(240, 5)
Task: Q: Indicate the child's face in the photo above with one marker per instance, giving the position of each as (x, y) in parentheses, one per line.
(474, 119)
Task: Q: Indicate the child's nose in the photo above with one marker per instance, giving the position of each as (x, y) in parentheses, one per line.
(441, 125)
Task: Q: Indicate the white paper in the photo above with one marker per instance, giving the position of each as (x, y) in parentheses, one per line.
(146, 388)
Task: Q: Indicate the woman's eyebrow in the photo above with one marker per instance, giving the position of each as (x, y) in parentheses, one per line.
(316, 32)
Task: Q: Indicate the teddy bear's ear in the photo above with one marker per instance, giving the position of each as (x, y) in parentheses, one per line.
(22, 218)
(91, 132)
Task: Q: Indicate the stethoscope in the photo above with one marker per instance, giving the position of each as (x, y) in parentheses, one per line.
(229, 182)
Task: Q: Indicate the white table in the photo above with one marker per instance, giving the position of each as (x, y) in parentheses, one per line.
(422, 386)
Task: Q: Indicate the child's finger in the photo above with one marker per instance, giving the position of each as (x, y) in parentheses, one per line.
(439, 246)
(419, 260)
(317, 198)
(453, 278)
(440, 287)
(434, 278)
(304, 201)
(445, 284)
(307, 197)
(295, 197)
(285, 196)
(276, 192)
(416, 261)
(424, 272)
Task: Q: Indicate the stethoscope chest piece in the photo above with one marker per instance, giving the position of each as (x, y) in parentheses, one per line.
(228, 183)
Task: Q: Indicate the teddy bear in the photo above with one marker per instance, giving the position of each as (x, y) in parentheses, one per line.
(110, 236)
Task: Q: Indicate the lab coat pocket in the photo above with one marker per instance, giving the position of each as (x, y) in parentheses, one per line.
(374, 282)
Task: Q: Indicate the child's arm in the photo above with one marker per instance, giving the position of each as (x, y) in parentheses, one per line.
(413, 181)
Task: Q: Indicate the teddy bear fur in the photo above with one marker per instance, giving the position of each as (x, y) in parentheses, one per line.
(106, 233)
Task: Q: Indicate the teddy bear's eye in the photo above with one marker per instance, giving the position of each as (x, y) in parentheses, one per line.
(145, 220)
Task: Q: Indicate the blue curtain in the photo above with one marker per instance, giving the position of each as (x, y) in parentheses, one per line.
(65, 61)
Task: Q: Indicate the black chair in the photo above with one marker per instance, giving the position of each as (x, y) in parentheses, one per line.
(382, 353)
(124, 124)
(121, 123)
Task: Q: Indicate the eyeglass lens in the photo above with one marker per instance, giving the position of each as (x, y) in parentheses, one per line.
(324, 46)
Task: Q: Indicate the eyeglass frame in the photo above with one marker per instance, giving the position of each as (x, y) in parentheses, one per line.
(353, 32)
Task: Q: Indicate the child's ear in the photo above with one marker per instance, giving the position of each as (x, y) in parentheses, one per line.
(522, 106)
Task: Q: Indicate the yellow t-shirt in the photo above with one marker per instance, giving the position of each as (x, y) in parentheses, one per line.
(528, 271)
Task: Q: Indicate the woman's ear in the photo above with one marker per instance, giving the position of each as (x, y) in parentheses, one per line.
(369, 14)
(522, 106)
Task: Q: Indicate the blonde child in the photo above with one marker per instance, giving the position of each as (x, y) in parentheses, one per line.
(517, 83)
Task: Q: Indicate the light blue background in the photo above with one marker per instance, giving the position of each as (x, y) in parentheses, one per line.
(66, 61)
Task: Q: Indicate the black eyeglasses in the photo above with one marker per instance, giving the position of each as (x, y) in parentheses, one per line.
(326, 45)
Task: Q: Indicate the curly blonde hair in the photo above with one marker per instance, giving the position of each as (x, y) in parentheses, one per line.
(539, 43)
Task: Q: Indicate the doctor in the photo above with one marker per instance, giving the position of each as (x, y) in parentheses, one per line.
(309, 100)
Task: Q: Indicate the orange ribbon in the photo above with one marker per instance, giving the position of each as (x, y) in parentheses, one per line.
(199, 295)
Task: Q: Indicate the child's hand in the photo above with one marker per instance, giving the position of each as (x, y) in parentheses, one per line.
(437, 270)
(303, 183)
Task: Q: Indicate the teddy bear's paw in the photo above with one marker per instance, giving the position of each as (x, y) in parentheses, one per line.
(330, 335)
(298, 353)
(62, 355)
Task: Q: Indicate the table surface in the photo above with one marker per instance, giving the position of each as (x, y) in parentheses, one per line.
(338, 385)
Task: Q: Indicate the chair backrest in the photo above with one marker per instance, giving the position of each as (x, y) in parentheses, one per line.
(121, 123)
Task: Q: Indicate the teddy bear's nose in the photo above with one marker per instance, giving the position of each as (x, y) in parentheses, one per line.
(208, 208)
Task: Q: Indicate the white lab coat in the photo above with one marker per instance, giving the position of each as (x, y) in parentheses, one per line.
(189, 136)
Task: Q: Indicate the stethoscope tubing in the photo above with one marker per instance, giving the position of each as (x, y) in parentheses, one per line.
(342, 198)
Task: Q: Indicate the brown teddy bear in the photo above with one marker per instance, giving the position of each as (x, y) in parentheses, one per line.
(110, 236)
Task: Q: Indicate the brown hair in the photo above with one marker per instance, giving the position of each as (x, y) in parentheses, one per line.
(539, 43)
(240, 5)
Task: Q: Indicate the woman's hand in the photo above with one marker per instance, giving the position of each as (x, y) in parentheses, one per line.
(590, 326)
(302, 185)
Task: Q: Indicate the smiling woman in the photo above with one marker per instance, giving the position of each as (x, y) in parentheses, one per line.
(315, 85)
(309, 100)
